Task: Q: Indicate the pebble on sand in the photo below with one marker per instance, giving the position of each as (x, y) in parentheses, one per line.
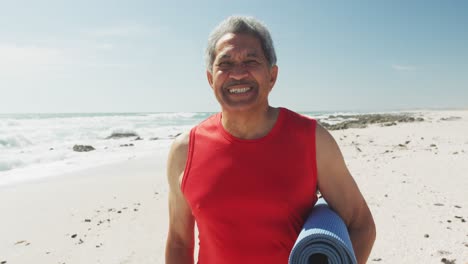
(20, 242)
(446, 261)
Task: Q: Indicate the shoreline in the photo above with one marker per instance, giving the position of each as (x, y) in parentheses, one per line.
(413, 176)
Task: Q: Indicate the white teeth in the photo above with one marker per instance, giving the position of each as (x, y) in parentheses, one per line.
(239, 90)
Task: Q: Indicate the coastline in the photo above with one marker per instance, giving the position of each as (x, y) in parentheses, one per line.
(413, 176)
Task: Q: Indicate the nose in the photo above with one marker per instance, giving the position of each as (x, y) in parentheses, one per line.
(238, 72)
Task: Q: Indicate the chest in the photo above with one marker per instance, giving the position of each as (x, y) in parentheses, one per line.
(269, 179)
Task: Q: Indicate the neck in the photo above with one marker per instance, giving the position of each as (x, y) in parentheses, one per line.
(250, 124)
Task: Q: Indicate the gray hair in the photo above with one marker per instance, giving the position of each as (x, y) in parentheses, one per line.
(240, 25)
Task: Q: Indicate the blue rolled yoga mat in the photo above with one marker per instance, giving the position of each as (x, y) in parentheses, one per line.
(325, 233)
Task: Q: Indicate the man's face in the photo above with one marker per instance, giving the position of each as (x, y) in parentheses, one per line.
(242, 77)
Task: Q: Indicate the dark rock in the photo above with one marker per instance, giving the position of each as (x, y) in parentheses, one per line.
(154, 138)
(73, 236)
(407, 142)
(122, 135)
(439, 204)
(83, 148)
(433, 146)
(389, 124)
(457, 206)
(446, 261)
(119, 212)
(3, 262)
(51, 149)
(138, 138)
(87, 220)
(377, 259)
(127, 145)
(426, 235)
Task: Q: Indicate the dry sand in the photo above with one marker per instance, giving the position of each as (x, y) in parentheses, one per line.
(413, 175)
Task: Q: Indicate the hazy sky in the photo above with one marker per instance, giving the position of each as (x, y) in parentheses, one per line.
(147, 56)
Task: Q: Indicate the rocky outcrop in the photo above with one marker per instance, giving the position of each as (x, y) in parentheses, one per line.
(362, 121)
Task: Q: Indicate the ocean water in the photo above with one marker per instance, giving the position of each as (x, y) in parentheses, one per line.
(40, 145)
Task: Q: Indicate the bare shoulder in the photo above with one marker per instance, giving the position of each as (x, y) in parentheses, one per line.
(181, 142)
(177, 159)
(327, 148)
(334, 179)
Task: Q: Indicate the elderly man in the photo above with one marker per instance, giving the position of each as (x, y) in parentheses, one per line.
(248, 175)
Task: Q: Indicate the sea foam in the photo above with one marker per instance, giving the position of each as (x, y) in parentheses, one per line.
(41, 145)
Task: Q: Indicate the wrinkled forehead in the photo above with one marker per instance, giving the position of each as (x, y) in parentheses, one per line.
(233, 45)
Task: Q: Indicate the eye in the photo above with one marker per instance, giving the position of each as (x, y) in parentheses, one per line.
(224, 64)
(251, 63)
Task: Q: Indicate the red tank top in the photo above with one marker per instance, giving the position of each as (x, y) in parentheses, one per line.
(250, 198)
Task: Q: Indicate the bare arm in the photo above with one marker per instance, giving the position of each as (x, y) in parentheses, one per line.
(342, 194)
(180, 238)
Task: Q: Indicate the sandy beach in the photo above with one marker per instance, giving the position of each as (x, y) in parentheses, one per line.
(413, 175)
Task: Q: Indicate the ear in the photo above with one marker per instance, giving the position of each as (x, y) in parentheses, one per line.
(273, 75)
(209, 76)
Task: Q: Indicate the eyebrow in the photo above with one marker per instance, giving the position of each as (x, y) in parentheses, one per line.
(249, 55)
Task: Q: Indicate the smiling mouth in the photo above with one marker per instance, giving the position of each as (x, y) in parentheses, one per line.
(239, 90)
